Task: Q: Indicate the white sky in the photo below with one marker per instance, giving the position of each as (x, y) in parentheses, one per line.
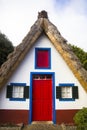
(70, 17)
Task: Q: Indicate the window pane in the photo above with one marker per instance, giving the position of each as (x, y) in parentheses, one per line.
(18, 92)
(21, 89)
(66, 92)
(20, 95)
(15, 89)
(15, 95)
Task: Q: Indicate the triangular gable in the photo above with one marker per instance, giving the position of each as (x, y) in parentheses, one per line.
(43, 25)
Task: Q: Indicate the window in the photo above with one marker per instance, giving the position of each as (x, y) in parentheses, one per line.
(42, 58)
(17, 92)
(42, 77)
(67, 92)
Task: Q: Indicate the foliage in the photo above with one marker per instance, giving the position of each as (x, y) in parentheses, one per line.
(80, 119)
(6, 47)
(81, 54)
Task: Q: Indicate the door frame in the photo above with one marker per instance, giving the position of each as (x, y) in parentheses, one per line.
(53, 93)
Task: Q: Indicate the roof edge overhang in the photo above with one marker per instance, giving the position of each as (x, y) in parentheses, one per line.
(66, 52)
(15, 58)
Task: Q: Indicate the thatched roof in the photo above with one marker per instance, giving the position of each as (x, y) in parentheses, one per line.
(43, 25)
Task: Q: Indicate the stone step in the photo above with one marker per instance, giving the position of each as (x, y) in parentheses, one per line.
(42, 127)
(45, 126)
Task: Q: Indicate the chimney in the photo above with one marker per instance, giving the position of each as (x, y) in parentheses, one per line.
(42, 14)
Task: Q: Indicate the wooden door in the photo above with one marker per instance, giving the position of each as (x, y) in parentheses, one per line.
(42, 98)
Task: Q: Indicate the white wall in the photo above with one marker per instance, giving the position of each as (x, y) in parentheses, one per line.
(62, 75)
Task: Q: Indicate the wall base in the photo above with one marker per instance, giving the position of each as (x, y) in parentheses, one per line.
(14, 116)
(22, 116)
(65, 116)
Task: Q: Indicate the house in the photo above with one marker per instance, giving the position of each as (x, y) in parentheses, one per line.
(42, 80)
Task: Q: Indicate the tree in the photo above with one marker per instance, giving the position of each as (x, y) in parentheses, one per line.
(81, 54)
(6, 47)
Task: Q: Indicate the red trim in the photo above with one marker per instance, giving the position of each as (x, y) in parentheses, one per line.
(65, 116)
(22, 116)
(14, 116)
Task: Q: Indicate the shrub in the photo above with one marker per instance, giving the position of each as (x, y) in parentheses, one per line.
(80, 119)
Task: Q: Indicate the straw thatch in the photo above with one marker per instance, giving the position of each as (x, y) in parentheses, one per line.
(43, 25)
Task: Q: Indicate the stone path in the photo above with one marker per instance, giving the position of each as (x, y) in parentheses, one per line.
(39, 127)
(42, 127)
(48, 127)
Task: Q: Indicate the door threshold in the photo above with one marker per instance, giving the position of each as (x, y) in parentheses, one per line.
(42, 122)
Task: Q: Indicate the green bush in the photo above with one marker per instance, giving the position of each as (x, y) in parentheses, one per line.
(80, 119)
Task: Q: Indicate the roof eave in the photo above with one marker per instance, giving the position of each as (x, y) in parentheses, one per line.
(15, 58)
(65, 51)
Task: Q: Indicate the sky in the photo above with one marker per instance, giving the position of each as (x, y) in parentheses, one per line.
(69, 16)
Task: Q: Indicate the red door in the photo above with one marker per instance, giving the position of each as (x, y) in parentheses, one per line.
(42, 98)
